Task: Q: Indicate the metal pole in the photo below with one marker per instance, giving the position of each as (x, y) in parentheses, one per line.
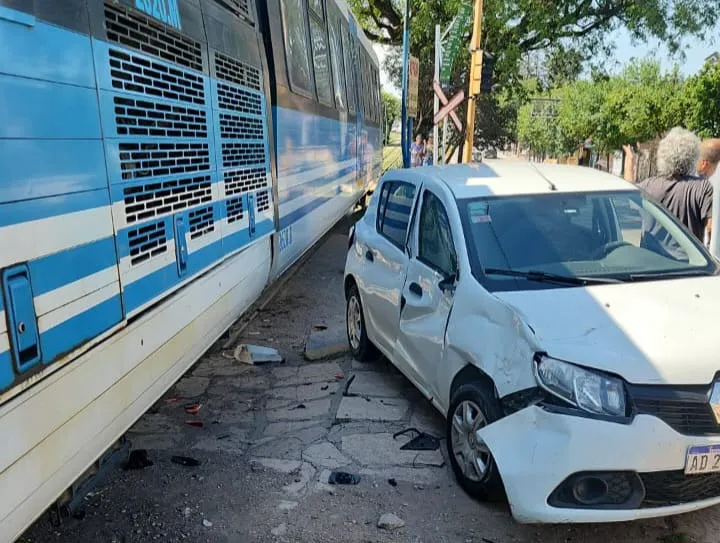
(436, 100)
(475, 75)
(715, 227)
(404, 118)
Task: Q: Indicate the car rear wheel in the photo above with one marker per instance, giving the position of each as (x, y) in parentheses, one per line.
(361, 347)
(472, 407)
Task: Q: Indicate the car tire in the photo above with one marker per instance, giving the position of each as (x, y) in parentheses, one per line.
(361, 347)
(465, 450)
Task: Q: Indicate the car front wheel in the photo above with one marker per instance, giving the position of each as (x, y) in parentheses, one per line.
(361, 347)
(472, 407)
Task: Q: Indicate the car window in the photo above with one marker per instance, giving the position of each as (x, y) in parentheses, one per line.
(621, 236)
(436, 248)
(394, 209)
(296, 48)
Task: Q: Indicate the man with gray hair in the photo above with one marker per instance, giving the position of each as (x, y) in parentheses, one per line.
(687, 197)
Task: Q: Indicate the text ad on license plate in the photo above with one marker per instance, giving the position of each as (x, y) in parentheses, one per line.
(702, 459)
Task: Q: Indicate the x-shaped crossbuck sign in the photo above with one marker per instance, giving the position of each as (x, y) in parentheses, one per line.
(448, 106)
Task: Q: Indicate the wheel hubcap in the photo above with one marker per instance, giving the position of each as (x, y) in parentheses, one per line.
(469, 450)
(354, 322)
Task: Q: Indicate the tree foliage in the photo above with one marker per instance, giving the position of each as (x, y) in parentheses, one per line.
(391, 113)
(701, 101)
(569, 33)
(639, 104)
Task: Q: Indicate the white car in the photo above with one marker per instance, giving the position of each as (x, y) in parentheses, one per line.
(564, 324)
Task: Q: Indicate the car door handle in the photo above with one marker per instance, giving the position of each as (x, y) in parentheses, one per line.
(369, 256)
(416, 289)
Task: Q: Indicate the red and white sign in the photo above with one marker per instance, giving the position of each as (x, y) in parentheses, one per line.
(448, 106)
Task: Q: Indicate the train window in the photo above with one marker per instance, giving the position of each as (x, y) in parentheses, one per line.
(316, 6)
(349, 70)
(296, 48)
(338, 69)
(320, 61)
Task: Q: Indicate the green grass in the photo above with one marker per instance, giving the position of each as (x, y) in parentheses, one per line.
(392, 154)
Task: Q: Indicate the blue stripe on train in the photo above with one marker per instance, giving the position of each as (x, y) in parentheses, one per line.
(7, 375)
(155, 284)
(59, 269)
(317, 184)
(53, 206)
(27, 176)
(72, 333)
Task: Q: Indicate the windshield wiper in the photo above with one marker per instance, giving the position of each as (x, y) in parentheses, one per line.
(674, 274)
(545, 277)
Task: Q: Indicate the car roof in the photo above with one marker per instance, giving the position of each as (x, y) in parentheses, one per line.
(516, 177)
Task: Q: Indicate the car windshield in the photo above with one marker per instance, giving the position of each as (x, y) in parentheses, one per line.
(565, 239)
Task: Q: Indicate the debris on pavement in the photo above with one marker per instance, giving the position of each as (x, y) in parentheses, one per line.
(339, 376)
(279, 530)
(422, 442)
(193, 408)
(390, 521)
(195, 423)
(326, 342)
(299, 406)
(347, 386)
(343, 478)
(206, 523)
(392, 482)
(185, 461)
(255, 354)
(138, 459)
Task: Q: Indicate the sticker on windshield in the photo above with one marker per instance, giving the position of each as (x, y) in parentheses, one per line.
(479, 212)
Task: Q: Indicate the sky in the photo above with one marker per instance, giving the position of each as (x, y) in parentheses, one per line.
(695, 54)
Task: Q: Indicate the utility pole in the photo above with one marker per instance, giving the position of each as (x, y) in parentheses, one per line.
(436, 100)
(475, 78)
(405, 59)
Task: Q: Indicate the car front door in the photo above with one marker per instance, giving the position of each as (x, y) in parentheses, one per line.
(386, 262)
(427, 295)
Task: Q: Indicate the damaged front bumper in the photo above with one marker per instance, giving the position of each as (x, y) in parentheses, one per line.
(564, 468)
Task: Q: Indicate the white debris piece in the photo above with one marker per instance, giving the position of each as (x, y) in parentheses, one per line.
(390, 521)
(255, 354)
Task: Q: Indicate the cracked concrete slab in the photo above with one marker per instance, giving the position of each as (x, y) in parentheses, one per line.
(383, 450)
(281, 466)
(301, 393)
(357, 408)
(419, 476)
(325, 455)
(311, 373)
(327, 343)
(374, 383)
(285, 448)
(233, 441)
(312, 410)
(278, 429)
(300, 485)
(191, 387)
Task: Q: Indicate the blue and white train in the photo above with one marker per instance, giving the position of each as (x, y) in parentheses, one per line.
(162, 162)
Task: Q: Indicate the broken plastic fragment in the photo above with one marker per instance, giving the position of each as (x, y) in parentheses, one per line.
(343, 478)
(255, 354)
(195, 423)
(185, 461)
(193, 408)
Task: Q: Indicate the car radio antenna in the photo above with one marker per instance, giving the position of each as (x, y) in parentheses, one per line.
(550, 183)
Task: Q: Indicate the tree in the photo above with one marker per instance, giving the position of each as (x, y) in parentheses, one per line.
(701, 101)
(391, 112)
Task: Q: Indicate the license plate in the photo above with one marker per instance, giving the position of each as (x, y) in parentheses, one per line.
(702, 459)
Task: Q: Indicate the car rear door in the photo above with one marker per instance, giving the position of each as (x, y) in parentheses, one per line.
(428, 293)
(386, 261)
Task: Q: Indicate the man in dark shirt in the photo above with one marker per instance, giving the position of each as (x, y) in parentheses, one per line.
(687, 197)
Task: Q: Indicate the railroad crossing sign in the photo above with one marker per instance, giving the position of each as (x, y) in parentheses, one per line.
(413, 76)
(448, 106)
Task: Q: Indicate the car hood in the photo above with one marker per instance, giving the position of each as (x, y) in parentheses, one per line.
(662, 332)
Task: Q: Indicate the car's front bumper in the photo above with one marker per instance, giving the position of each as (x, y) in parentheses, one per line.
(537, 450)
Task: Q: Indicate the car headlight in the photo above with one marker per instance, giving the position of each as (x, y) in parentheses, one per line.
(591, 391)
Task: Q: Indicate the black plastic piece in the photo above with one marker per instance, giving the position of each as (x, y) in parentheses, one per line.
(421, 442)
(343, 478)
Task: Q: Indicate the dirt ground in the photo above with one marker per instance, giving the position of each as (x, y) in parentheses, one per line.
(271, 435)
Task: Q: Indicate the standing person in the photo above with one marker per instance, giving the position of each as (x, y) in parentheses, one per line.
(428, 160)
(709, 157)
(416, 152)
(687, 197)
